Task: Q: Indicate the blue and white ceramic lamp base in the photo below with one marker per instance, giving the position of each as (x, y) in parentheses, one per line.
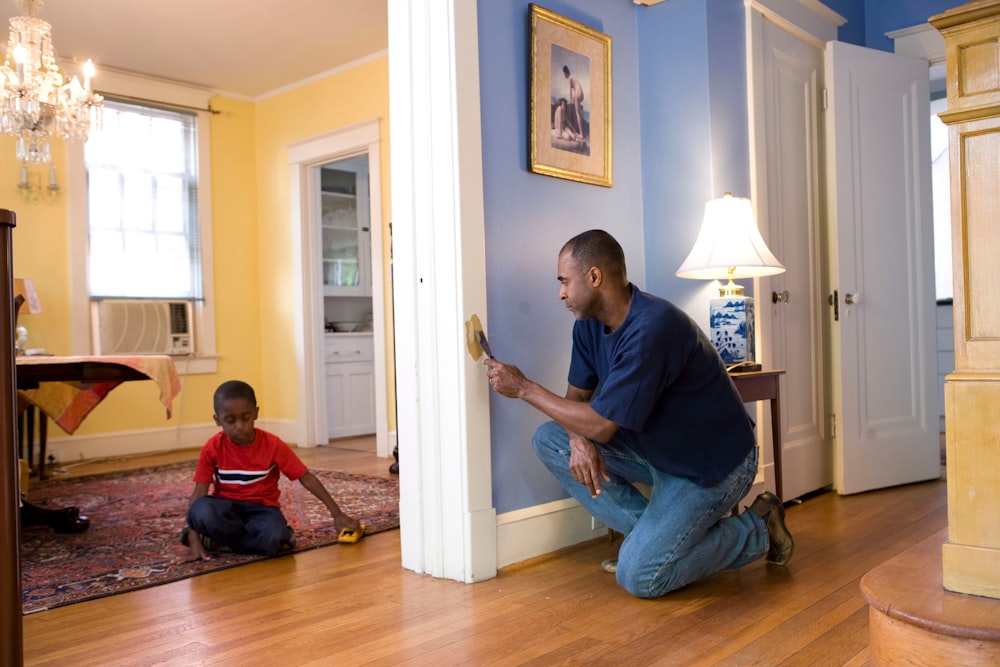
(731, 328)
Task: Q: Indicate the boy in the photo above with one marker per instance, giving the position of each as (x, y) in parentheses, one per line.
(244, 463)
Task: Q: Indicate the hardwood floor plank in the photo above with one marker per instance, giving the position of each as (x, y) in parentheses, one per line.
(355, 605)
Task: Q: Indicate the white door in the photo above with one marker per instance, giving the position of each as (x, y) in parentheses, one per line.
(881, 260)
(787, 82)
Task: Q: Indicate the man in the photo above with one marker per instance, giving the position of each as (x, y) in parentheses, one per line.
(649, 401)
(575, 102)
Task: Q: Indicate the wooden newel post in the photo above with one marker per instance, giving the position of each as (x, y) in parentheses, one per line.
(11, 639)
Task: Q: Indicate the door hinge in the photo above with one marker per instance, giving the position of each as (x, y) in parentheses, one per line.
(833, 426)
(834, 300)
(823, 101)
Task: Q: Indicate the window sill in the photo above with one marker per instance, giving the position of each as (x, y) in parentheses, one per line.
(197, 364)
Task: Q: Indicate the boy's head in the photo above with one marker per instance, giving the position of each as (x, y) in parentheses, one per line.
(236, 410)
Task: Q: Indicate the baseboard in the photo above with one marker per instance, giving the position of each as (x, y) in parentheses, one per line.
(535, 531)
(542, 529)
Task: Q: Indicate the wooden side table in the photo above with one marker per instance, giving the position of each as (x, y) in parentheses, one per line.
(764, 386)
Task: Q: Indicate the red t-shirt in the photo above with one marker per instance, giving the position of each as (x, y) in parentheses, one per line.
(248, 473)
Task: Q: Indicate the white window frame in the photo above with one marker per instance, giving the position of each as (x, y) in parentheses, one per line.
(203, 311)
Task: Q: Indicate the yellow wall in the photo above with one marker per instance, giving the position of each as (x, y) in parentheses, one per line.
(338, 101)
(251, 249)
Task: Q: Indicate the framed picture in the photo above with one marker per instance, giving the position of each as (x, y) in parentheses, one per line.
(569, 99)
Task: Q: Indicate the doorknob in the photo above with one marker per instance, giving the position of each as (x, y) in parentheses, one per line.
(852, 299)
(780, 297)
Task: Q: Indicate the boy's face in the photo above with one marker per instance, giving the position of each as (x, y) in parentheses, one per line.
(236, 417)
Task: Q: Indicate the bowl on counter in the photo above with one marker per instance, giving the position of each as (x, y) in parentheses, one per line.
(344, 327)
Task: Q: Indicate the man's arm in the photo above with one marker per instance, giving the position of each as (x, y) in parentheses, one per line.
(582, 423)
(586, 463)
(573, 412)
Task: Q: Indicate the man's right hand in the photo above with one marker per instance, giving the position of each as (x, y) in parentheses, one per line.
(586, 464)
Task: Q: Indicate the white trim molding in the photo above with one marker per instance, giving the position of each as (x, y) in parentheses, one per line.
(303, 155)
(447, 520)
(919, 41)
(542, 529)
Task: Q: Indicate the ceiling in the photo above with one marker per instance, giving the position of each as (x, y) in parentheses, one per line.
(245, 48)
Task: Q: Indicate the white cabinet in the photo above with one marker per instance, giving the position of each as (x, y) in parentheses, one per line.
(346, 233)
(350, 385)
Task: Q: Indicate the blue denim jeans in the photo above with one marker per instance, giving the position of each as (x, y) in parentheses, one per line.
(681, 534)
(242, 527)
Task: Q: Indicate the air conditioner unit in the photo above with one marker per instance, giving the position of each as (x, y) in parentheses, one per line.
(138, 326)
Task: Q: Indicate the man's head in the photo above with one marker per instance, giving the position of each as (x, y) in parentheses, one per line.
(236, 410)
(566, 71)
(591, 272)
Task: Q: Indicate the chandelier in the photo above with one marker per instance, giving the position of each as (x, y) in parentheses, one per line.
(37, 101)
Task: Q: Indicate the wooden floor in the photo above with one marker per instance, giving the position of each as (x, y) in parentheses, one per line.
(355, 605)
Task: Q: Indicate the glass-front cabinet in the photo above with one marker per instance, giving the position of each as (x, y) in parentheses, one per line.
(346, 233)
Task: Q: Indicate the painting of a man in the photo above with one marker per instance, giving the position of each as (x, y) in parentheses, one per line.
(570, 79)
(575, 101)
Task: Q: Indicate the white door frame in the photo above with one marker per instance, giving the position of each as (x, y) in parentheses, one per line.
(447, 520)
(304, 155)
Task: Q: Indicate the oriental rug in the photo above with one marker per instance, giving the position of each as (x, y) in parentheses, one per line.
(135, 522)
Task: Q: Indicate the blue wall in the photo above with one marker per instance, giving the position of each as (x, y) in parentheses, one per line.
(869, 20)
(529, 217)
(693, 76)
(676, 166)
(680, 138)
(882, 17)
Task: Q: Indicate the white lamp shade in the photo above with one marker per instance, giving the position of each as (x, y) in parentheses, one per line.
(729, 244)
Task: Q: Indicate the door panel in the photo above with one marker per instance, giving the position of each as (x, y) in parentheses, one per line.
(882, 267)
(788, 210)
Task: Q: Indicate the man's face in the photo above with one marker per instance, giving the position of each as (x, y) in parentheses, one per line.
(575, 288)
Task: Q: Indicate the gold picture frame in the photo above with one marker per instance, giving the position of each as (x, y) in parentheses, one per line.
(569, 99)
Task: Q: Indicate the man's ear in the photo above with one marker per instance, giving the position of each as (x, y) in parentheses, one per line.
(595, 276)
(216, 419)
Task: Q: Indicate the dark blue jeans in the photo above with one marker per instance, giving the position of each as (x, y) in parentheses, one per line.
(244, 528)
(681, 534)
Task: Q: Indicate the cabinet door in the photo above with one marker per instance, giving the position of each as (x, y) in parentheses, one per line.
(350, 396)
(346, 237)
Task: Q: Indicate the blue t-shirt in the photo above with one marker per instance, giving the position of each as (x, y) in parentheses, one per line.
(658, 377)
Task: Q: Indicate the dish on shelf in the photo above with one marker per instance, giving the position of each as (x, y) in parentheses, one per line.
(344, 327)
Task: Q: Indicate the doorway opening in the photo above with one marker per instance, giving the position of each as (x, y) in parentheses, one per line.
(337, 223)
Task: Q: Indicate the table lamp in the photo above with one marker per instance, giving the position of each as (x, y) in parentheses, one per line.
(729, 246)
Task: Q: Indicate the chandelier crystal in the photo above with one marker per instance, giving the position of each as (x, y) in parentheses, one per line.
(37, 101)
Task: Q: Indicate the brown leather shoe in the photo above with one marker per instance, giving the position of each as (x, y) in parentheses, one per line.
(770, 508)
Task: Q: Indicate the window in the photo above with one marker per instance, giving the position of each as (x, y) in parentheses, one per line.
(142, 204)
(140, 219)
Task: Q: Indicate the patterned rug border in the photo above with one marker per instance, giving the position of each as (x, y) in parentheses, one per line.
(58, 570)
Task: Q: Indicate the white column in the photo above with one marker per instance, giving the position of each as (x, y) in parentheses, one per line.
(448, 523)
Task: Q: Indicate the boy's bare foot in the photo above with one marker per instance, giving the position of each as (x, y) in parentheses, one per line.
(190, 557)
(196, 550)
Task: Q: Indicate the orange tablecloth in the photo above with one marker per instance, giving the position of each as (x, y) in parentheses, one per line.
(68, 403)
